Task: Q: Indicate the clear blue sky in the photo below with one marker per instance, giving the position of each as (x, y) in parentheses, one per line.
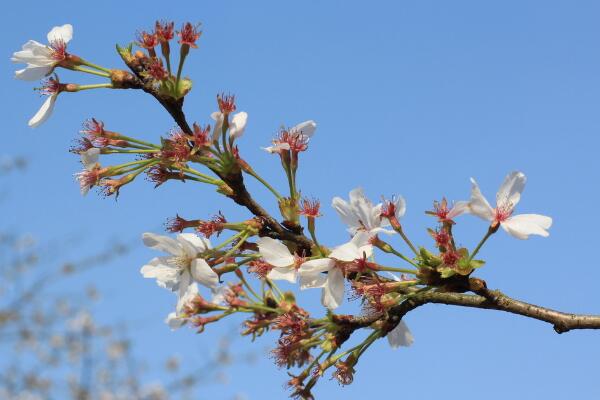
(411, 98)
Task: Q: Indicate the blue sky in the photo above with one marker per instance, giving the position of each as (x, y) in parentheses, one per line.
(411, 98)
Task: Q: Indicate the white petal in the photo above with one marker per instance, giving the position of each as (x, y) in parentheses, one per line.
(523, 225)
(218, 117)
(219, 294)
(34, 53)
(204, 274)
(355, 248)
(283, 274)
(333, 291)
(158, 268)
(306, 128)
(190, 293)
(185, 280)
(400, 207)
(162, 243)
(400, 336)
(311, 272)
(201, 244)
(238, 124)
(277, 148)
(64, 33)
(174, 321)
(478, 205)
(509, 193)
(89, 158)
(367, 214)
(274, 252)
(346, 213)
(44, 112)
(33, 73)
(460, 207)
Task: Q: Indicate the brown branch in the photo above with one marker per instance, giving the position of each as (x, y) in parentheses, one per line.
(485, 299)
(234, 180)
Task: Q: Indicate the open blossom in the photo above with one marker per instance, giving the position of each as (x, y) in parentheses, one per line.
(285, 264)
(509, 194)
(361, 215)
(295, 139)
(178, 271)
(312, 272)
(51, 88)
(445, 214)
(42, 59)
(91, 170)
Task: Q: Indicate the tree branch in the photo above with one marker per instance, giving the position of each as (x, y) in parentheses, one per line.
(235, 181)
(485, 299)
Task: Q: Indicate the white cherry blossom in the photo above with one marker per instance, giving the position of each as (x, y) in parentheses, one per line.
(279, 256)
(89, 176)
(360, 214)
(295, 138)
(42, 59)
(509, 194)
(326, 273)
(178, 271)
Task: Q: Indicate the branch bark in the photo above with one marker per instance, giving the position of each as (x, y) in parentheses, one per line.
(485, 299)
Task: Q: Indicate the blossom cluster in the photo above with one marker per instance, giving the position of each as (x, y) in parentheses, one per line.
(272, 249)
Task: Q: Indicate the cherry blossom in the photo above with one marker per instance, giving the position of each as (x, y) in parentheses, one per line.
(178, 271)
(312, 272)
(361, 215)
(42, 59)
(275, 253)
(90, 174)
(295, 139)
(509, 194)
(51, 88)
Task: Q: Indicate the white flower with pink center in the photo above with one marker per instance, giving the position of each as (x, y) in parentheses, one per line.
(509, 194)
(285, 264)
(42, 59)
(360, 214)
(295, 139)
(327, 273)
(183, 266)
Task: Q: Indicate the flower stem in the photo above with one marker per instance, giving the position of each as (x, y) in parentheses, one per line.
(95, 66)
(201, 175)
(401, 270)
(490, 232)
(265, 183)
(90, 71)
(408, 242)
(95, 86)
